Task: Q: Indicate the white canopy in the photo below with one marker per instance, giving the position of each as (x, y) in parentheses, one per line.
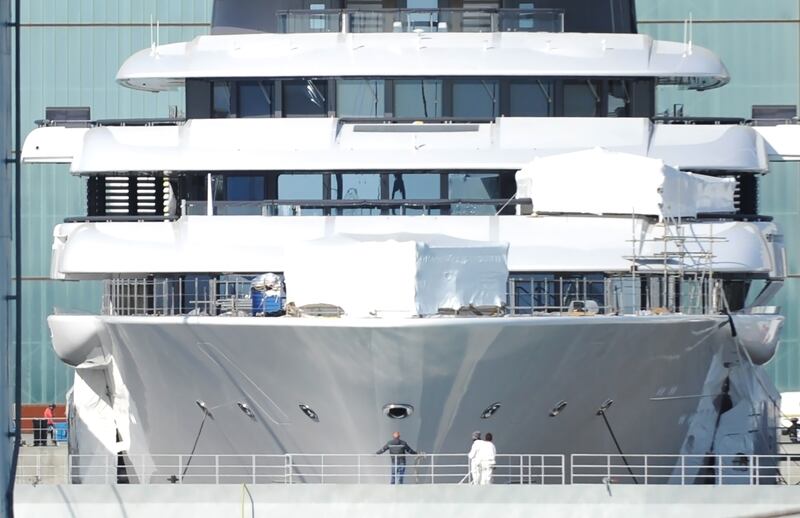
(597, 181)
(397, 274)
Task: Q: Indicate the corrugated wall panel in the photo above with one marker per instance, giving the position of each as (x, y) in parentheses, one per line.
(760, 44)
(71, 50)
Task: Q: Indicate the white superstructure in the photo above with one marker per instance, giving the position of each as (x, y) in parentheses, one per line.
(467, 230)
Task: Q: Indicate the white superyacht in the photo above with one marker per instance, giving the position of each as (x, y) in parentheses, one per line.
(421, 219)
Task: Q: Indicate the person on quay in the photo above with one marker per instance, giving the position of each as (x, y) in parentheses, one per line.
(397, 448)
(51, 424)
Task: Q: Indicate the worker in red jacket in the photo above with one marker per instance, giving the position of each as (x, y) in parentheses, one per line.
(51, 424)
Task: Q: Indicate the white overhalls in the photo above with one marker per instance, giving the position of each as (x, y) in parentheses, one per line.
(597, 181)
(396, 274)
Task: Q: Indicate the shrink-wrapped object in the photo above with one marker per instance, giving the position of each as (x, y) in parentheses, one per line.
(397, 274)
(597, 181)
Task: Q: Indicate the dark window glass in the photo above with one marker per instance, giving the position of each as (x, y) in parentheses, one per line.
(305, 98)
(581, 98)
(418, 98)
(475, 98)
(356, 187)
(619, 99)
(244, 188)
(473, 186)
(415, 186)
(530, 98)
(643, 98)
(222, 100)
(255, 99)
(299, 187)
(360, 98)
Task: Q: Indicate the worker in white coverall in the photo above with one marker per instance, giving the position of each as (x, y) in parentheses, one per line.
(474, 468)
(482, 460)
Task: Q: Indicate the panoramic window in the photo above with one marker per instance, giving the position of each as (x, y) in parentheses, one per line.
(356, 187)
(418, 98)
(305, 98)
(360, 98)
(530, 98)
(222, 100)
(475, 98)
(255, 99)
(581, 98)
(473, 186)
(619, 99)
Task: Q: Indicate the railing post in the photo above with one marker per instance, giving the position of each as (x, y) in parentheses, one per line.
(645, 470)
(216, 469)
(719, 470)
(683, 470)
(433, 464)
(358, 468)
(521, 468)
(322, 469)
(253, 466)
(180, 469)
(289, 466)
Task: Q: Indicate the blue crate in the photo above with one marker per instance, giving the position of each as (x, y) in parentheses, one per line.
(61, 432)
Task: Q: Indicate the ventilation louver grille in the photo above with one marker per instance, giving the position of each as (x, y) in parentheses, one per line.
(127, 196)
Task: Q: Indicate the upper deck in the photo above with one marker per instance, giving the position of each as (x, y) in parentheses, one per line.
(387, 43)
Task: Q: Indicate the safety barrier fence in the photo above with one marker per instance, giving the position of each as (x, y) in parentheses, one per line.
(520, 469)
(283, 469)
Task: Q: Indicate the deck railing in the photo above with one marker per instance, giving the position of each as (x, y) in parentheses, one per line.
(421, 20)
(283, 469)
(520, 469)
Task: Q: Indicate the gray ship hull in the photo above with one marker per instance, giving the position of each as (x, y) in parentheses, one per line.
(138, 380)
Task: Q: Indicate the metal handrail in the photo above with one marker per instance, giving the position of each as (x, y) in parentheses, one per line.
(515, 469)
(658, 469)
(520, 469)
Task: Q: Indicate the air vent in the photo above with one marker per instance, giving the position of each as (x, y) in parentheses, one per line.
(126, 195)
(490, 410)
(398, 410)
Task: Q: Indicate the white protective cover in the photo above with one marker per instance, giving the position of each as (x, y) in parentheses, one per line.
(396, 275)
(597, 181)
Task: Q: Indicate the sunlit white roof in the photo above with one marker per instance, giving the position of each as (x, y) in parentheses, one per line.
(423, 54)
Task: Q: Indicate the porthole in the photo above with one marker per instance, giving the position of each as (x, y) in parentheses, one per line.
(309, 412)
(398, 410)
(490, 410)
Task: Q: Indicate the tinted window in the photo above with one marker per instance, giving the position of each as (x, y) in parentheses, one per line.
(305, 98)
(581, 98)
(255, 99)
(530, 99)
(222, 100)
(360, 98)
(418, 98)
(299, 187)
(244, 188)
(619, 99)
(356, 187)
(475, 98)
(473, 186)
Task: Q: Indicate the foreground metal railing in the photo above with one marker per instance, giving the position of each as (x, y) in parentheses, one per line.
(685, 469)
(520, 469)
(282, 469)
